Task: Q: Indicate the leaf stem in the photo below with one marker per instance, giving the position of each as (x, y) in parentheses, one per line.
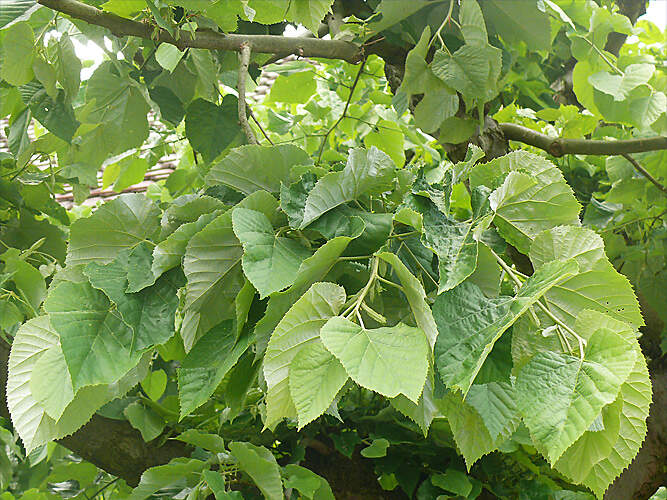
(354, 308)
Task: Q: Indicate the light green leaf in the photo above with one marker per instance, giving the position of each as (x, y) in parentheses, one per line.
(261, 466)
(619, 86)
(46, 75)
(67, 65)
(299, 327)
(308, 12)
(251, 168)
(469, 324)
(180, 472)
(597, 286)
(388, 138)
(145, 420)
(14, 9)
(495, 403)
(28, 281)
(121, 223)
(211, 128)
(472, 24)
(315, 377)
(559, 395)
(294, 88)
(377, 449)
(393, 13)
(454, 481)
(390, 361)
(293, 198)
(210, 442)
(154, 384)
(435, 107)
(207, 363)
(17, 54)
(306, 482)
(50, 367)
(519, 21)
(168, 56)
(366, 172)
(216, 480)
(34, 426)
(423, 412)
(269, 261)
(525, 207)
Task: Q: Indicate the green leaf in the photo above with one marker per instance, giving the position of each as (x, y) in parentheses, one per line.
(28, 280)
(210, 442)
(390, 361)
(67, 65)
(124, 173)
(559, 395)
(299, 327)
(188, 208)
(620, 86)
(519, 21)
(473, 27)
(295, 88)
(171, 107)
(315, 377)
(455, 245)
(366, 172)
(14, 9)
(211, 128)
(251, 168)
(154, 384)
(207, 363)
(33, 425)
(56, 115)
(50, 367)
(46, 75)
(97, 344)
(469, 324)
(308, 12)
(306, 482)
(270, 262)
(216, 482)
(435, 107)
(178, 473)
(377, 449)
(121, 223)
(261, 466)
(145, 420)
(168, 56)
(120, 104)
(423, 412)
(388, 138)
(597, 286)
(293, 198)
(454, 481)
(18, 55)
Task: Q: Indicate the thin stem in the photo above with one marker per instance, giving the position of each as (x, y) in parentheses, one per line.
(356, 305)
(442, 26)
(259, 125)
(356, 257)
(347, 105)
(645, 173)
(389, 282)
(243, 72)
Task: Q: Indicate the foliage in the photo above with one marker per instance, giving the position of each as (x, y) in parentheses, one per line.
(460, 323)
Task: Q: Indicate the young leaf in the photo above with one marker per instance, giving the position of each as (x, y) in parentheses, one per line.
(299, 327)
(163, 476)
(210, 442)
(261, 466)
(270, 262)
(390, 361)
(145, 420)
(469, 324)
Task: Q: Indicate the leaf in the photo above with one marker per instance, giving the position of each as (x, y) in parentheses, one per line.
(315, 377)
(211, 128)
(416, 296)
(97, 344)
(216, 483)
(171, 107)
(176, 473)
(519, 21)
(188, 208)
(207, 363)
(28, 281)
(261, 466)
(366, 172)
(619, 86)
(209, 442)
(18, 55)
(423, 412)
(597, 286)
(454, 481)
(308, 12)
(67, 65)
(473, 27)
(50, 367)
(299, 327)
(294, 88)
(154, 384)
(252, 167)
(15, 9)
(524, 207)
(469, 324)
(495, 403)
(388, 138)
(145, 420)
(56, 115)
(33, 425)
(306, 482)
(559, 395)
(269, 261)
(121, 223)
(293, 198)
(377, 449)
(168, 56)
(454, 244)
(390, 360)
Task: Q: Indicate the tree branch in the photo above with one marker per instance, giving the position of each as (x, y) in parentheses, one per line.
(645, 173)
(243, 72)
(204, 39)
(559, 146)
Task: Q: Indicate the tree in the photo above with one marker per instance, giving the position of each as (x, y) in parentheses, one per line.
(414, 270)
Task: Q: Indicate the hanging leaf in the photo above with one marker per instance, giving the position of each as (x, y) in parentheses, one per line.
(261, 466)
(211, 128)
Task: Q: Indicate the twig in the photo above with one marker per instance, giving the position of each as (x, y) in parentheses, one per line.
(645, 173)
(259, 125)
(347, 104)
(559, 146)
(243, 71)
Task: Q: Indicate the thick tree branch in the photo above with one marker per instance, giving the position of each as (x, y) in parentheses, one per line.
(559, 146)
(243, 72)
(204, 39)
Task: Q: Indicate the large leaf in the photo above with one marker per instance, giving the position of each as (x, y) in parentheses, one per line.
(253, 167)
(390, 361)
(299, 327)
(34, 426)
(422, 412)
(211, 128)
(261, 466)
(207, 363)
(597, 286)
(560, 395)
(212, 265)
(469, 323)
(122, 223)
(366, 172)
(55, 114)
(270, 262)
(519, 20)
(18, 55)
(13, 9)
(315, 377)
(180, 472)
